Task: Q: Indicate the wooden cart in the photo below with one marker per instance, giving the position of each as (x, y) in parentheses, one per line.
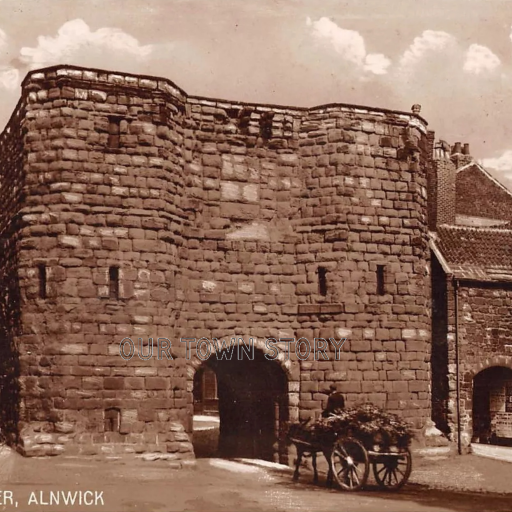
(351, 462)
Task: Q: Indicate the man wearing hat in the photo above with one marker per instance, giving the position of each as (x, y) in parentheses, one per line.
(335, 402)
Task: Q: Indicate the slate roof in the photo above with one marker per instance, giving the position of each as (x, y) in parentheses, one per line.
(482, 254)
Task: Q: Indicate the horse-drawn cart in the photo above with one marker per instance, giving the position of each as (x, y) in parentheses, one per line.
(354, 440)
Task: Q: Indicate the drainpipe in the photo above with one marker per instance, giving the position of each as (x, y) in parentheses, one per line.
(457, 372)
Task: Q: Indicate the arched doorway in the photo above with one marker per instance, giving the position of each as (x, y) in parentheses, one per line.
(492, 406)
(252, 406)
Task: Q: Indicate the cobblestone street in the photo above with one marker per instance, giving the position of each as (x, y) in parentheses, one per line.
(213, 485)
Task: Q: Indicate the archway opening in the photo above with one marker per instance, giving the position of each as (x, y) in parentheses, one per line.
(492, 406)
(206, 419)
(252, 404)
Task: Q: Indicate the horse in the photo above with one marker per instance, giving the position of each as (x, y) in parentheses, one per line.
(307, 446)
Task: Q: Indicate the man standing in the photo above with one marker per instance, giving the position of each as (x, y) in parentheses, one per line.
(335, 402)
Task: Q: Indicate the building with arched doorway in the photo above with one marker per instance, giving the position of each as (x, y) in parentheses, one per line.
(252, 405)
(139, 221)
(471, 239)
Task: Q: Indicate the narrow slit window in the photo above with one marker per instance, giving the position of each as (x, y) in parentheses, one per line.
(322, 281)
(113, 274)
(163, 112)
(42, 281)
(381, 273)
(112, 420)
(266, 125)
(114, 130)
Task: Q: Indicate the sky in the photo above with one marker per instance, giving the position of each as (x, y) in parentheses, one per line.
(453, 57)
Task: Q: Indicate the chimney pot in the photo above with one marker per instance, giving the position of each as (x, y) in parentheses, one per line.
(416, 108)
(457, 148)
(465, 149)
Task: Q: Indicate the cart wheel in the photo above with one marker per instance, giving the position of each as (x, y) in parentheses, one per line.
(350, 464)
(391, 472)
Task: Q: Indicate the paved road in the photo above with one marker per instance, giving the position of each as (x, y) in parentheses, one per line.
(212, 486)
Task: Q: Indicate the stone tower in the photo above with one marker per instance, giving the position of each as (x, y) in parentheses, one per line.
(134, 210)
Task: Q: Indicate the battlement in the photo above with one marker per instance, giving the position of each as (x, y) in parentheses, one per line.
(143, 84)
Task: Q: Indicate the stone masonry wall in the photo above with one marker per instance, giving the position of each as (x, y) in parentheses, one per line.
(354, 199)
(485, 341)
(364, 205)
(218, 216)
(245, 186)
(485, 337)
(89, 207)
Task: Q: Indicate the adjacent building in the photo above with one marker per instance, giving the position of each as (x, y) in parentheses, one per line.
(471, 240)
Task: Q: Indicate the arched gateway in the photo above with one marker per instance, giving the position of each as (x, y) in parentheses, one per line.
(253, 405)
(260, 220)
(492, 406)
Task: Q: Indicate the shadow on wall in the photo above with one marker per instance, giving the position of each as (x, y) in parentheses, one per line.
(439, 356)
(12, 196)
(9, 356)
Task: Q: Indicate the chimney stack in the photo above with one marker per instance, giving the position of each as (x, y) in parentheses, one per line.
(457, 148)
(441, 184)
(460, 155)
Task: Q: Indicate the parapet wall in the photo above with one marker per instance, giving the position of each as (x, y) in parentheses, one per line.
(218, 215)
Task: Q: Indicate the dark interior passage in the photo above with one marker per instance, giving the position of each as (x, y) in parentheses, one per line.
(252, 406)
(492, 406)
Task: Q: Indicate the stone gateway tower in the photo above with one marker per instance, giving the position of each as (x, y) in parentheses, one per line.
(131, 209)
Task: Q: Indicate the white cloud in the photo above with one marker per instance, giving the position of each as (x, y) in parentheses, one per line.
(377, 63)
(349, 44)
(430, 41)
(9, 78)
(75, 41)
(480, 58)
(501, 163)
